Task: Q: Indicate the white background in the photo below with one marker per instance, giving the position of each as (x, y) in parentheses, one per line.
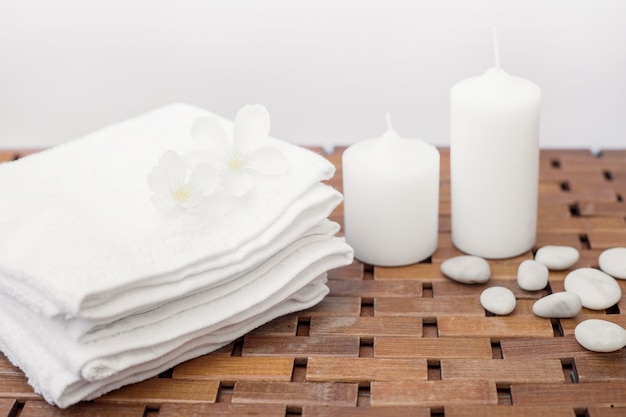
(327, 70)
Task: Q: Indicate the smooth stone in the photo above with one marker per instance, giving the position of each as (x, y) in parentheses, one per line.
(466, 269)
(557, 258)
(613, 262)
(600, 335)
(532, 275)
(560, 305)
(498, 300)
(596, 289)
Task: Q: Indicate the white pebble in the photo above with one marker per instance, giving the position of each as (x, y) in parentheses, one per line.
(557, 258)
(498, 300)
(559, 305)
(596, 289)
(466, 269)
(613, 262)
(532, 275)
(600, 335)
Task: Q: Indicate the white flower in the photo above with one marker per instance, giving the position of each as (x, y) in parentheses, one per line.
(239, 161)
(175, 185)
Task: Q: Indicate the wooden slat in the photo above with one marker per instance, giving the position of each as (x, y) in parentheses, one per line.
(495, 328)
(6, 156)
(419, 272)
(546, 348)
(366, 327)
(6, 407)
(568, 325)
(16, 387)
(333, 411)
(301, 347)
(364, 370)
(335, 307)
(434, 394)
(432, 349)
(504, 371)
(282, 326)
(429, 307)
(450, 288)
(371, 288)
(233, 369)
(601, 394)
(43, 409)
(606, 411)
(221, 409)
(600, 368)
(509, 411)
(296, 393)
(156, 391)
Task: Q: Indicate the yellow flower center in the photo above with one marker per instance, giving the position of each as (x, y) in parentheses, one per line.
(181, 193)
(237, 158)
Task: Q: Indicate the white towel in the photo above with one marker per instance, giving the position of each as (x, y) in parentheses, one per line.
(56, 367)
(85, 331)
(78, 227)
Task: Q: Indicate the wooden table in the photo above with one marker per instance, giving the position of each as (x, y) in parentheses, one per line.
(407, 341)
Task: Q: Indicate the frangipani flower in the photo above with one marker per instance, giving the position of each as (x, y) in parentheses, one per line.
(175, 185)
(240, 160)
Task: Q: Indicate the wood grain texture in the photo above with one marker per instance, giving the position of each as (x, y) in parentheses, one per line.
(406, 340)
(365, 370)
(433, 394)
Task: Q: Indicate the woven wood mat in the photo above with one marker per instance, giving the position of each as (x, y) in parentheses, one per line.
(407, 341)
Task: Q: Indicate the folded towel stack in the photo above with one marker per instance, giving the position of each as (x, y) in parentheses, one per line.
(100, 288)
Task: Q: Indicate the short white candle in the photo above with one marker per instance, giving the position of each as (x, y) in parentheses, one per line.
(494, 163)
(391, 199)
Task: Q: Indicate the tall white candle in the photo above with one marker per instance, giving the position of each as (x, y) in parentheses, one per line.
(391, 199)
(494, 163)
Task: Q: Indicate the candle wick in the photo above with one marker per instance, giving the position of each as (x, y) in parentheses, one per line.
(496, 48)
(389, 125)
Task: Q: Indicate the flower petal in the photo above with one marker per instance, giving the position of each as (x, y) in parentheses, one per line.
(159, 180)
(206, 130)
(175, 166)
(203, 178)
(192, 201)
(163, 203)
(268, 161)
(237, 182)
(251, 123)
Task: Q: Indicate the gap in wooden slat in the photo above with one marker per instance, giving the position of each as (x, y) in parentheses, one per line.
(555, 163)
(304, 326)
(565, 186)
(496, 350)
(581, 412)
(619, 197)
(608, 175)
(569, 371)
(504, 396)
(574, 210)
(557, 328)
(613, 310)
(293, 411)
(367, 307)
(429, 327)
(434, 370)
(363, 398)
(225, 392)
(299, 371)
(427, 290)
(428, 260)
(17, 409)
(366, 347)
(166, 374)
(151, 411)
(237, 347)
(437, 413)
(584, 241)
